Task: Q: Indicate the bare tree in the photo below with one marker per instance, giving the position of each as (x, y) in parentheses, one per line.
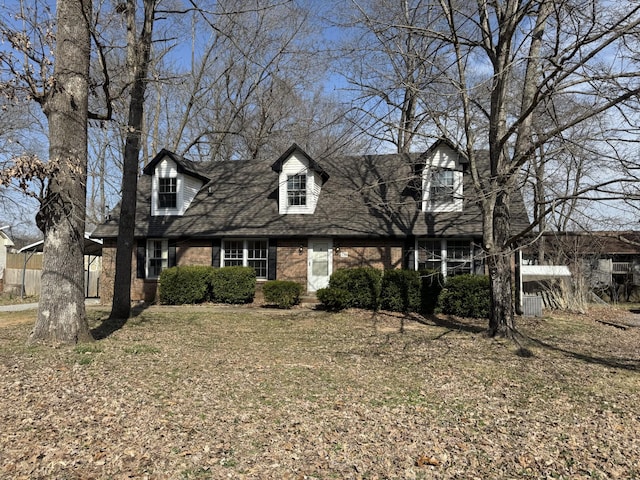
(61, 311)
(138, 60)
(394, 69)
(538, 51)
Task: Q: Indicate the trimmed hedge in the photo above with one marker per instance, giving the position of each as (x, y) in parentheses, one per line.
(283, 293)
(233, 285)
(466, 296)
(431, 284)
(185, 284)
(400, 291)
(334, 299)
(362, 283)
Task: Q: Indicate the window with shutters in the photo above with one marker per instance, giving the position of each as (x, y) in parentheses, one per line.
(157, 257)
(246, 253)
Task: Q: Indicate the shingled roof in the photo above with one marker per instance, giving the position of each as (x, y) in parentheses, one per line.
(364, 196)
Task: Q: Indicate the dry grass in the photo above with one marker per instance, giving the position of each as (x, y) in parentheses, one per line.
(226, 392)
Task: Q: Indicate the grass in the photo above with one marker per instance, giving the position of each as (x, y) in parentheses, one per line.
(237, 392)
(16, 299)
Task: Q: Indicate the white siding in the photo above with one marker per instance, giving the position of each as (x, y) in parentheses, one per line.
(191, 188)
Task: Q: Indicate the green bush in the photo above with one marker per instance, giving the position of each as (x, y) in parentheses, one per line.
(185, 284)
(431, 283)
(233, 285)
(283, 293)
(334, 299)
(400, 291)
(362, 283)
(466, 296)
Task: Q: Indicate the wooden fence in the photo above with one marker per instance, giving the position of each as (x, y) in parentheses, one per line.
(16, 273)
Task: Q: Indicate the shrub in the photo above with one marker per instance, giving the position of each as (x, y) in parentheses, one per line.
(283, 293)
(233, 285)
(185, 284)
(431, 283)
(466, 296)
(362, 283)
(334, 299)
(400, 291)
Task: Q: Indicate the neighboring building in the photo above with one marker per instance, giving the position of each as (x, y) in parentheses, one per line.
(608, 261)
(5, 245)
(301, 219)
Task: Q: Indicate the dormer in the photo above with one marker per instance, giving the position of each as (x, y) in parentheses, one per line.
(442, 178)
(174, 183)
(300, 180)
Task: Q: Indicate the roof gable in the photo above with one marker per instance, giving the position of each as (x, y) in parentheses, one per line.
(313, 165)
(183, 165)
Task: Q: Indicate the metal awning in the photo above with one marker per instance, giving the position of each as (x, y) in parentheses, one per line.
(92, 246)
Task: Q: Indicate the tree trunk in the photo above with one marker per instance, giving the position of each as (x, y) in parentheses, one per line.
(61, 310)
(139, 54)
(501, 318)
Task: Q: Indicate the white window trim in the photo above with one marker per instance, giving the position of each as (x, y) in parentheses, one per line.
(148, 258)
(443, 253)
(245, 252)
(155, 192)
(455, 205)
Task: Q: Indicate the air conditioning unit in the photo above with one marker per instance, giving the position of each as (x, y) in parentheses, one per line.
(531, 306)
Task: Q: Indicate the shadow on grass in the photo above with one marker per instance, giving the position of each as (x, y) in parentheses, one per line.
(109, 325)
(452, 323)
(611, 362)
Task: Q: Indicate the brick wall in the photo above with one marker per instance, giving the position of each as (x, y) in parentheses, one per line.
(196, 252)
(187, 253)
(292, 262)
(382, 254)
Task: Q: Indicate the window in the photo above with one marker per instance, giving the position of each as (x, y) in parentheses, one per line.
(451, 257)
(459, 260)
(442, 189)
(246, 253)
(296, 190)
(429, 255)
(167, 193)
(157, 257)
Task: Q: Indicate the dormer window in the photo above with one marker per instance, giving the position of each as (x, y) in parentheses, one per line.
(300, 180)
(175, 182)
(296, 190)
(167, 192)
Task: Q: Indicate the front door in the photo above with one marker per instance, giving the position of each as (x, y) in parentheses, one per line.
(320, 263)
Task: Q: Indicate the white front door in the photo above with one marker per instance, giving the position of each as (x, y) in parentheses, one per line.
(320, 263)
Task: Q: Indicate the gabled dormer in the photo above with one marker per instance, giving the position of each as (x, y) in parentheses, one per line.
(442, 178)
(300, 180)
(174, 183)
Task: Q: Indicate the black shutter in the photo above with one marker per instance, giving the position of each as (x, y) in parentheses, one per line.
(141, 258)
(272, 257)
(410, 252)
(216, 250)
(172, 253)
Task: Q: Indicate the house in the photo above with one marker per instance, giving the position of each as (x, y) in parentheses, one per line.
(5, 245)
(607, 261)
(299, 218)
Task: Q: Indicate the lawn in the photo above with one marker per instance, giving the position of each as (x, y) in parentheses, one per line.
(237, 392)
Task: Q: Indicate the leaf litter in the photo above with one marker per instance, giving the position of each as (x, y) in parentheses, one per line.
(249, 393)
